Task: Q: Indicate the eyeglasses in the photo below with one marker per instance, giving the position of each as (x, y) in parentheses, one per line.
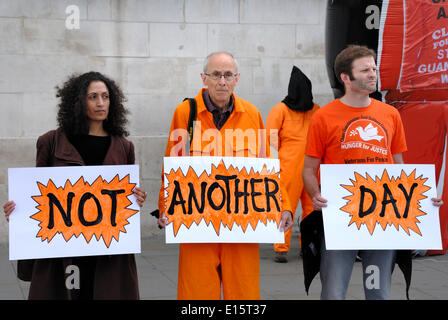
(217, 76)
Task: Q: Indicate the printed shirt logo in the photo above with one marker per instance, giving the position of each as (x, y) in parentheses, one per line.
(369, 133)
(366, 134)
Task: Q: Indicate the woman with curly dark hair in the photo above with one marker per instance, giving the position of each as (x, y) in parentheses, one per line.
(73, 117)
(91, 119)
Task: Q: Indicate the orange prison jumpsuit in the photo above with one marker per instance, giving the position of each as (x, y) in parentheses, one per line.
(203, 266)
(290, 141)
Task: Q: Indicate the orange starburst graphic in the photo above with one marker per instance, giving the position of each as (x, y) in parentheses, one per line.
(386, 201)
(226, 195)
(98, 209)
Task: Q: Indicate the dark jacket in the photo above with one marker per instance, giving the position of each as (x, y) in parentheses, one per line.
(311, 229)
(115, 275)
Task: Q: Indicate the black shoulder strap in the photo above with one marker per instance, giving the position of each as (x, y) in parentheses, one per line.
(191, 118)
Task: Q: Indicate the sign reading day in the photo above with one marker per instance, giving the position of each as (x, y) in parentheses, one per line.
(380, 207)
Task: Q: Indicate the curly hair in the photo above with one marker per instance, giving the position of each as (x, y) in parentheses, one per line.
(72, 109)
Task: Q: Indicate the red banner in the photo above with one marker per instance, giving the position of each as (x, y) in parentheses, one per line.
(414, 45)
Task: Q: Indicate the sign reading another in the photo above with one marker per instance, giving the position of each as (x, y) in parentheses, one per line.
(222, 199)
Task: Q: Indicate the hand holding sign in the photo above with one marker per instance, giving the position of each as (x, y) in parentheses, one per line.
(438, 202)
(140, 195)
(319, 202)
(8, 208)
(286, 222)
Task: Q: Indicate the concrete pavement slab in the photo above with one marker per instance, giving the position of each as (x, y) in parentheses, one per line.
(158, 265)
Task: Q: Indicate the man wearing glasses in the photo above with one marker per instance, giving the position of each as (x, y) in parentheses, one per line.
(225, 126)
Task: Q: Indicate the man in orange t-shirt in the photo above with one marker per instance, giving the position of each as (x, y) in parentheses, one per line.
(337, 133)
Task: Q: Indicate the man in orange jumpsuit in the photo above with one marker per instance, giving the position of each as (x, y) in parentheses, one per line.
(287, 127)
(204, 266)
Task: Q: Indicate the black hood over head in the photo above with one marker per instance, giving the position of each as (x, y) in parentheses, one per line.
(300, 97)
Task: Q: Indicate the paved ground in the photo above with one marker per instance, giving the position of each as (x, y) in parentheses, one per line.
(157, 269)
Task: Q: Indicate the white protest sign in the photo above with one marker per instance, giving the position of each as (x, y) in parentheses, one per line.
(73, 211)
(222, 199)
(380, 207)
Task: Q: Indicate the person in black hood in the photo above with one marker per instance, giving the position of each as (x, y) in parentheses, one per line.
(287, 127)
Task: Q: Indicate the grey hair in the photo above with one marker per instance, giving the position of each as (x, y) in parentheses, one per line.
(207, 59)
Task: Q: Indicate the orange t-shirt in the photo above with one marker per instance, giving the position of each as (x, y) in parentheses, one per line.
(340, 134)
